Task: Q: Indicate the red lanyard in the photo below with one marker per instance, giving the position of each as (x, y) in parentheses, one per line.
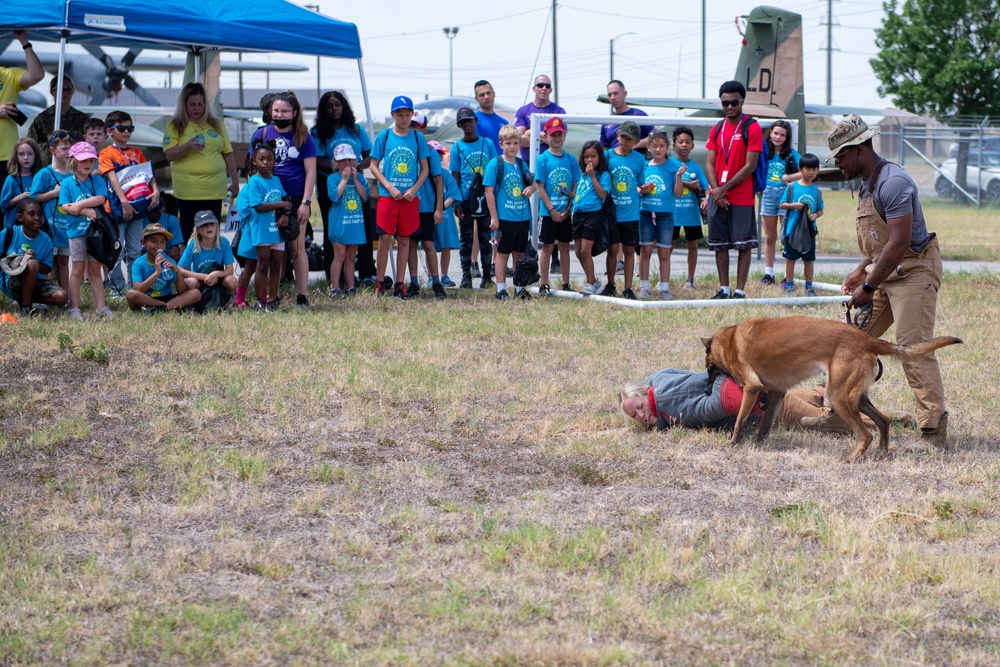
(727, 150)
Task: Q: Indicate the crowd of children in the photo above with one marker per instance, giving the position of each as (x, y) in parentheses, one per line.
(482, 198)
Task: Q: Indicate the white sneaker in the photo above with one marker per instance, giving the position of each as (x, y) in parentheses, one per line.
(665, 295)
(74, 314)
(689, 285)
(106, 313)
(644, 293)
(591, 290)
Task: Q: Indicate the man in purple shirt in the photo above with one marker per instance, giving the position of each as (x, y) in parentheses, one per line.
(541, 104)
(609, 133)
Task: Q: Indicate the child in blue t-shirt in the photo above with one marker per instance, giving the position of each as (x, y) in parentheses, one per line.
(348, 192)
(268, 211)
(627, 167)
(556, 173)
(157, 285)
(25, 161)
(45, 190)
(782, 169)
(246, 253)
(208, 257)
(31, 285)
(79, 196)
(656, 214)
(687, 212)
(446, 237)
(469, 157)
(804, 203)
(588, 218)
(509, 187)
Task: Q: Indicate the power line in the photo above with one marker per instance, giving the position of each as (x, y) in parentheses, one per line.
(463, 25)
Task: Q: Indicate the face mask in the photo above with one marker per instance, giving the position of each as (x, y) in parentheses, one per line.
(282, 123)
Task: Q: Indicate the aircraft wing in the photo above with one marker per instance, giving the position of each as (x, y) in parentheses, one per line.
(839, 110)
(152, 64)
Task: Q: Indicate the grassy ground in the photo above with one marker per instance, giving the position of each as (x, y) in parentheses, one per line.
(385, 483)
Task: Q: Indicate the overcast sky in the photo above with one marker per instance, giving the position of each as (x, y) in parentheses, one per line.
(406, 51)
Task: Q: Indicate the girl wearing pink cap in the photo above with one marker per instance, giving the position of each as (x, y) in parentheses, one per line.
(79, 196)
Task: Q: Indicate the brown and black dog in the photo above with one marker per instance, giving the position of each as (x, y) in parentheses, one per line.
(774, 355)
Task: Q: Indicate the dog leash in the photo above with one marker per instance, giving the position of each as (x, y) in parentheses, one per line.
(860, 320)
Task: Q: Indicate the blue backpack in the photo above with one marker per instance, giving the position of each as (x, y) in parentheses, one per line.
(759, 175)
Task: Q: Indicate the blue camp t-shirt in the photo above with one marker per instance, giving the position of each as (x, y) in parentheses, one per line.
(661, 198)
(777, 167)
(264, 225)
(346, 224)
(21, 243)
(356, 136)
(489, 126)
(399, 158)
(142, 269)
(201, 261)
(626, 175)
(795, 193)
(72, 191)
(587, 200)
(451, 192)
(427, 197)
(557, 174)
(12, 187)
(687, 212)
(246, 248)
(45, 181)
(289, 159)
(469, 158)
(511, 204)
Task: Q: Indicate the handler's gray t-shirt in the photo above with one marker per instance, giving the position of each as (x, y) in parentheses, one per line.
(895, 195)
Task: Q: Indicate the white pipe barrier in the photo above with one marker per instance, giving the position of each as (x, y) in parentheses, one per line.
(698, 303)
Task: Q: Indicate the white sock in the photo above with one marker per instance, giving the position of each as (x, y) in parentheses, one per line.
(739, 291)
(664, 287)
(501, 287)
(643, 284)
(725, 290)
(769, 271)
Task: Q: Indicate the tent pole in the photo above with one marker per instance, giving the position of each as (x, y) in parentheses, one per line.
(59, 80)
(364, 94)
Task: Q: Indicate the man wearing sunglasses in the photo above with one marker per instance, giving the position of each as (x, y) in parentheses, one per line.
(12, 81)
(541, 104)
(72, 120)
(732, 156)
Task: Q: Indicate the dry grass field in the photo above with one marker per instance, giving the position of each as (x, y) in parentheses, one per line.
(424, 483)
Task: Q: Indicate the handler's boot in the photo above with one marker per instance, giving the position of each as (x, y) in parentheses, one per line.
(931, 439)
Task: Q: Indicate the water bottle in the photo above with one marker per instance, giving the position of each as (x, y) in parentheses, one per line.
(167, 274)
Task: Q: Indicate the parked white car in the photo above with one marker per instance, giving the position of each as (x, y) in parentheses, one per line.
(988, 178)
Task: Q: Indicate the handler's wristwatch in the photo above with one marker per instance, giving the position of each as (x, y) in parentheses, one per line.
(870, 289)
(307, 202)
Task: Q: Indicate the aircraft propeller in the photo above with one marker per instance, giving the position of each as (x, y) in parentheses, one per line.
(117, 74)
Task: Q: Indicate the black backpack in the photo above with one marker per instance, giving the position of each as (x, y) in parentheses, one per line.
(610, 215)
(476, 204)
(526, 271)
(102, 237)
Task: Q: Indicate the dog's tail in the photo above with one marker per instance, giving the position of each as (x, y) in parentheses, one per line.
(917, 349)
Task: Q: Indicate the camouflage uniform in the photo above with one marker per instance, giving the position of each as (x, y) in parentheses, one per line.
(44, 124)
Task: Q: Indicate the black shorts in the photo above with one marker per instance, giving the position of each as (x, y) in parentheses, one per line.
(513, 237)
(788, 252)
(587, 224)
(626, 233)
(555, 232)
(733, 228)
(692, 233)
(425, 232)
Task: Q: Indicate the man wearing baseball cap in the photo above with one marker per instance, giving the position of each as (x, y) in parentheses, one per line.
(900, 274)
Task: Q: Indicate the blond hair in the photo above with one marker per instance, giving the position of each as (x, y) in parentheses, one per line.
(630, 389)
(509, 132)
(196, 238)
(181, 119)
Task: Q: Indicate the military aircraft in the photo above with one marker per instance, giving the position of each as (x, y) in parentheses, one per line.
(770, 66)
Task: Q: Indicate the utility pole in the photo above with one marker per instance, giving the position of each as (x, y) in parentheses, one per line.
(319, 85)
(611, 55)
(829, 52)
(703, 19)
(450, 33)
(555, 56)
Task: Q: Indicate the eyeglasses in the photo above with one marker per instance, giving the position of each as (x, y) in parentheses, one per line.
(731, 103)
(123, 128)
(543, 85)
(61, 134)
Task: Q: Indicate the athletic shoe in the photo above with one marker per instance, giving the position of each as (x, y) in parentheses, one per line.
(273, 305)
(413, 290)
(609, 290)
(544, 290)
(644, 293)
(566, 287)
(475, 270)
(590, 290)
(399, 292)
(260, 307)
(380, 289)
(737, 295)
(720, 295)
(448, 282)
(368, 282)
(811, 292)
(153, 309)
(336, 293)
(351, 291)
(665, 295)
(302, 300)
(27, 311)
(627, 293)
(466, 281)
(106, 313)
(523, 295)
(789, 288)
(767, 280)
(438, 290)
(502, 295)
(689, 285)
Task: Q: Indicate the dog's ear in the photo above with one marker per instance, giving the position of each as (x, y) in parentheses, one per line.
(707, 342)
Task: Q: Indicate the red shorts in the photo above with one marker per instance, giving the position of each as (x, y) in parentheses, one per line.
(401, 218)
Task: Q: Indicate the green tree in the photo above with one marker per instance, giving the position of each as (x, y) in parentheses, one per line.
(939, 58)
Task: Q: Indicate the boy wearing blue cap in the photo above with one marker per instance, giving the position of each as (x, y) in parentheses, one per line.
(399, 164)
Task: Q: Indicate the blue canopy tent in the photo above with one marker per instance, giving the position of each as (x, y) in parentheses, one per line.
(194, 27)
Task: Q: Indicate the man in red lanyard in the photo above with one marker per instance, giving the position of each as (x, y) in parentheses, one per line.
(730, 201)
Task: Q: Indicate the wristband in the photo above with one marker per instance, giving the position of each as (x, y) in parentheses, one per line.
(27, 45)
(870, 289)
